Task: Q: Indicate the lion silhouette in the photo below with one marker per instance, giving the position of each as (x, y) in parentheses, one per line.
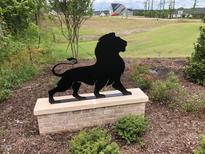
(106, 71)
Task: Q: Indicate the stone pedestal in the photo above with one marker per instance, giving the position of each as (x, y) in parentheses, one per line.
(71, 115)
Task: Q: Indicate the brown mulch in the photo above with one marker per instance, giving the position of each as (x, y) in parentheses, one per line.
(170, 131)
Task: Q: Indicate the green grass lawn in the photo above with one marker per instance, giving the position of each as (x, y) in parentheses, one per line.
(146, 38)
(174, 40)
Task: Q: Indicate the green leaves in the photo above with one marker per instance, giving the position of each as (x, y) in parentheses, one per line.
(141, 77)
(17, 14)
(95, 141)
(195, 68)
(72, 13)
(131, 127)
(201, 147)
(164, 91)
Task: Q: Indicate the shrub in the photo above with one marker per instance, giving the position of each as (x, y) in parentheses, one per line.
(189, 106)
(195, 103)
(203, 19)
(141, 77)
(201, 147)
(95, 141)
(131, 127)
(164, 91)
(11, 78)
(4, 93)
(17, 14)
(195, 68)
(195, 72)
(8, 47)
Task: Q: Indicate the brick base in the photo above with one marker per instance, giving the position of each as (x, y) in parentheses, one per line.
(100, 112)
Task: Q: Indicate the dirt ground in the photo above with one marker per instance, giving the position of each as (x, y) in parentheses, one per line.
(170, 130)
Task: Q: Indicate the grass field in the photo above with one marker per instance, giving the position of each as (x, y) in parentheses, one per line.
(146, 38)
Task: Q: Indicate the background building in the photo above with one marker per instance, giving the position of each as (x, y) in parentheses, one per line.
(118, 9)
(189, 13)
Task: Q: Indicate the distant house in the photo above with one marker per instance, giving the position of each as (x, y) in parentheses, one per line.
(189, 13)
(118, 9)
(101, 13)
(178, 13)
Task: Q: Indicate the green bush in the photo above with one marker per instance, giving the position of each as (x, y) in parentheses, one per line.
(8, 47)
(141, 77)
(95, 141)
(203, 19)
(131, 127)
(17, 14)
(195, 68)
(195, 72)
(4, 94)
(165, 91)
(189, 106)
(11, 78)
(195, 103)
(201, 147)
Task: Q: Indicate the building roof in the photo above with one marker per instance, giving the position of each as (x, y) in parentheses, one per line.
(115, 6)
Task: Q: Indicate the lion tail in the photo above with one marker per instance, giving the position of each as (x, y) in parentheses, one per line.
(72, 62)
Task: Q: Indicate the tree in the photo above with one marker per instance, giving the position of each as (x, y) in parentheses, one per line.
(195, 69)
(163, 8)
(30, 38)
(39, 4)
(203, 18)
(17, 14)
(145, 7)
(71, 14)
(152, 8)
(171, 8)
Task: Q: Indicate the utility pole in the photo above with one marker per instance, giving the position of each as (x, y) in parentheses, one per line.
(194, 8)
(174, 3)
(145, 7)
(163, 5)
(160, 8)
(152, 8)
(170, 8)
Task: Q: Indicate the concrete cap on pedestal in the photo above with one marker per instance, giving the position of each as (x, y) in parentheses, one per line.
(69, 103)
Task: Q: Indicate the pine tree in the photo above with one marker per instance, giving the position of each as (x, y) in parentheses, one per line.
(199, 54)
(195, 69)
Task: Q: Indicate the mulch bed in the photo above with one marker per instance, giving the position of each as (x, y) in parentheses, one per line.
(170, 130)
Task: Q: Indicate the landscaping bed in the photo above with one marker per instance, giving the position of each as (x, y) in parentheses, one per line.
(170, 129)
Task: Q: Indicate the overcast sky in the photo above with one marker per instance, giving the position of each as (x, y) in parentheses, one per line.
(139, 4)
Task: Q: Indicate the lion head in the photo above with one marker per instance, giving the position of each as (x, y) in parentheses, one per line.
(109, 45)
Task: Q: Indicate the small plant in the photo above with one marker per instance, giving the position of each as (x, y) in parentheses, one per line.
(189, 106)
(142, 77)
(195, 103)
(2, 131)
(201, 148)
(165, 91)
(10, 78)
(4, 94)
(95, 141)
(131, 127)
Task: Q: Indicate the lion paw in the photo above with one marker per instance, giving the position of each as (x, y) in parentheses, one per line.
(78, 97)
(51, 101)
(127, 93)
(100, 96)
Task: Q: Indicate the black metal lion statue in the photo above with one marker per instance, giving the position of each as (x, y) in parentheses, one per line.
(106, 71)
